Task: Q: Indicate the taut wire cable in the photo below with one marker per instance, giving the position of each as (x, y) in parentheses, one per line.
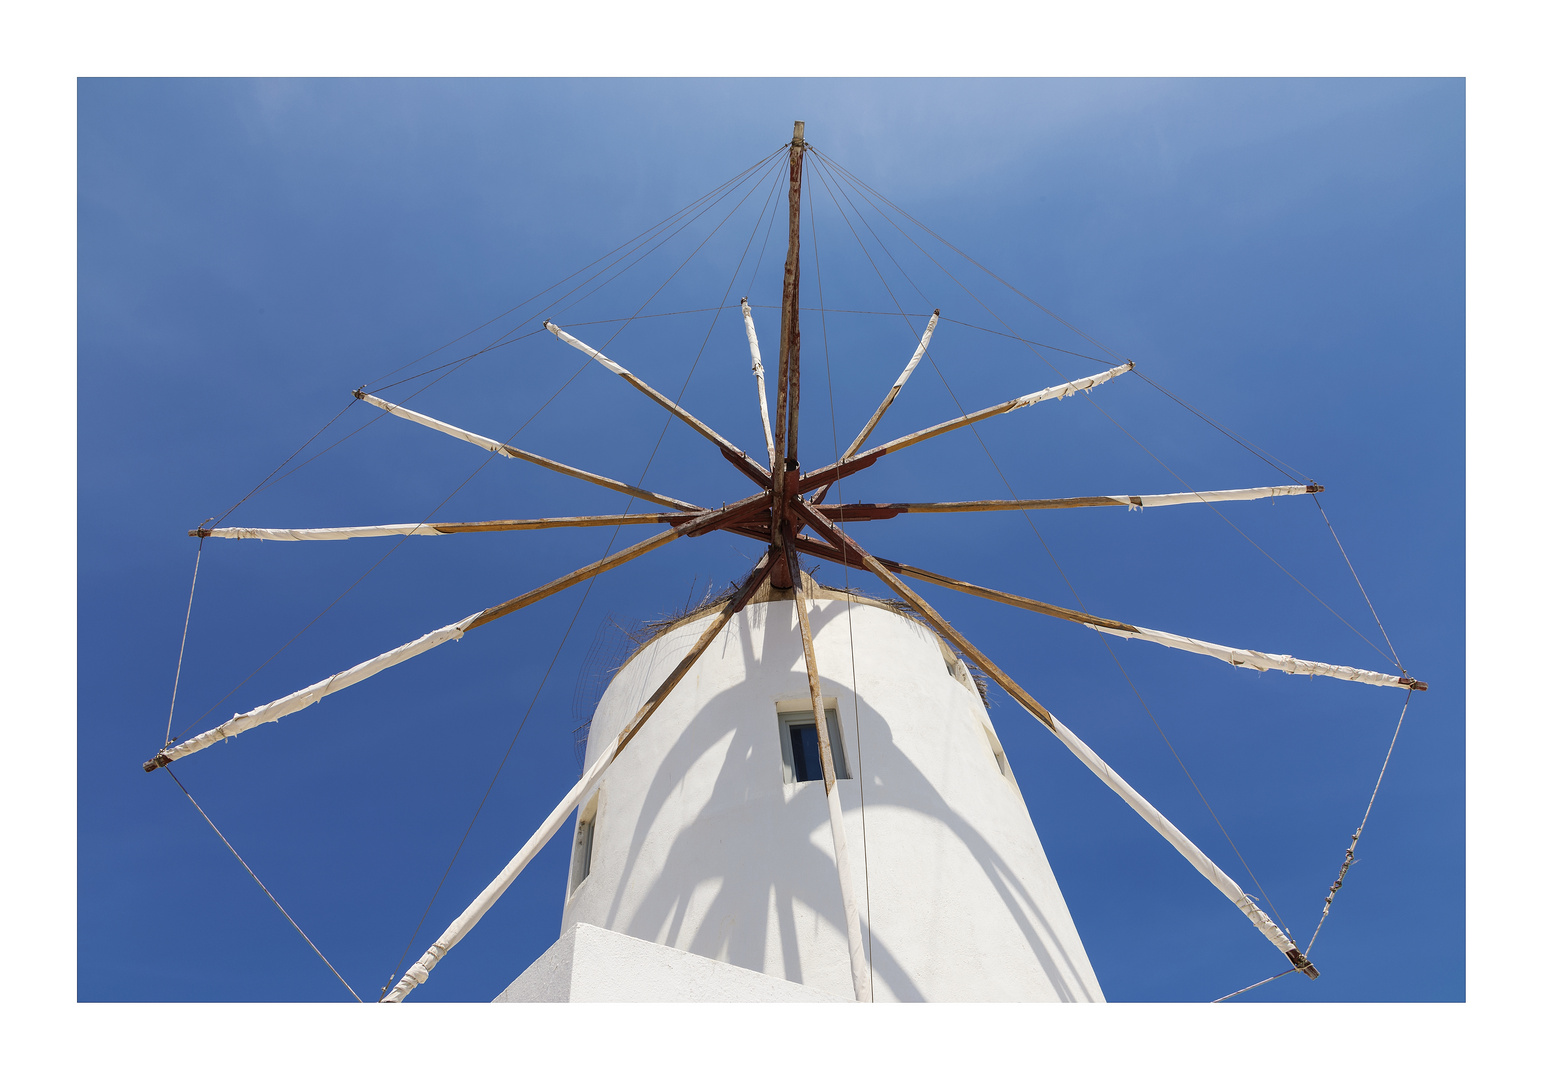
(392, 550)
(1060, 570)
(615, 532)
(489, 457)
(1356, 836)
(1246, 989)
(1358, 584)
(861, 184)
(263, 887)
(1264, 456)
(186, 619)
(1267, 458)
(634, 242)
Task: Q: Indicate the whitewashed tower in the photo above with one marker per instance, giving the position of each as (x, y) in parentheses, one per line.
(701, 837)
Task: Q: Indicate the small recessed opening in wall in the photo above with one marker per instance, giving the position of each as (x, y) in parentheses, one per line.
(584, 844)
(801, 746)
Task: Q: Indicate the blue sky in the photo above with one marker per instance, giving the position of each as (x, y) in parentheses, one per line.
(1287, 256)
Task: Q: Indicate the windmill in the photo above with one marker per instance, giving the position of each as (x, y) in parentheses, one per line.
(790, 514)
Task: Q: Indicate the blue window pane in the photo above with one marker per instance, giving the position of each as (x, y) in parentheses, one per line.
(806, 752)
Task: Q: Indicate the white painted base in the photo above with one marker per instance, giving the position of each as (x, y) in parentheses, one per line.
(591, 964)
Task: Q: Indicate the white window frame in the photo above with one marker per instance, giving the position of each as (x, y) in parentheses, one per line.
(790, 714)
(583, 845)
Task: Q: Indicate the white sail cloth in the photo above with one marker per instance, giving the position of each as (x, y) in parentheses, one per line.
(921, 350)
(672, 406)
(760, 380)
(894, 391)
(454, 432)
(1050, 393)
(469, 918)
(300, 699)
(516, 454)
(344, 533)
(1259, 661)
(1231, 495)
(1065, 389)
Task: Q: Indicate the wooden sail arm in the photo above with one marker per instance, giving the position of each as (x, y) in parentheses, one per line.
(505, 450)
(1186, 847)
(300, 699)
(737, 457)
(419, 972)
(1243, 658)
(889, 398)
(442, 528)
(1263, 661)
(1246, 658)
(839, 512)
(760, 380)
(824, 476)
(894, 391)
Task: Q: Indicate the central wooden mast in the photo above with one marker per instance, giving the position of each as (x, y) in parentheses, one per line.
(786, 455)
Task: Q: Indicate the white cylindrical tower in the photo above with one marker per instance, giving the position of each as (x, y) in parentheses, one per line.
(710, 833)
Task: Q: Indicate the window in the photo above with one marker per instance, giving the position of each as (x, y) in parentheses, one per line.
(801, 747)
(1001, 757)
(583, 844)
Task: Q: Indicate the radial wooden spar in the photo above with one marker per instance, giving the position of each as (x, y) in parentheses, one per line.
(879, 511)
(505, 450)
(736, 457)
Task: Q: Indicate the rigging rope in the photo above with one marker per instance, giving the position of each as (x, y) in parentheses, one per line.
(615, 532)
(392, 550)
(263, 887)
(1246, 989)
(188, 618)
(264, 481)
(638, 240)
(1056, 562)
(1269, 459)
(1294, 475)
(1358, 585)
(726, 190)
(455, 366)
(1356, 836)
(861, 184)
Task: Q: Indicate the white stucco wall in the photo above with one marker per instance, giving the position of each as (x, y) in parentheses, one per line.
(700, 845)
(591, 964)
